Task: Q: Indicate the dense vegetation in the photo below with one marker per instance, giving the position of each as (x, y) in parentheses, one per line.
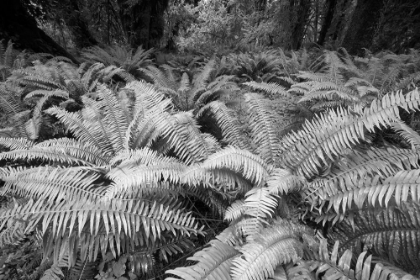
(247, 152)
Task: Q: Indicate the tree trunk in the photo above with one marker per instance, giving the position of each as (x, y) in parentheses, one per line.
(362, 26)
(329, 14)
(17, 25)
(78, 27)
(300, 9)
(143, 21)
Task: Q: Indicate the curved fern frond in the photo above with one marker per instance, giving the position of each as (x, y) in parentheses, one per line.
(82, 128)
(11, 236)
(53, 184)
(50, 93)
(117, 219)
(201, 80)
(114, 118)
(354, 167)
(270, 88)
(248, 165)
(400, 188)
(391, 234)
(260, 203)
(271, 247)
(261, 122)
(159, 77)
(407, 133)
(64, 150)
(228, 125)
(293, 271)
(328, 135)
(221, 256)
(146, 96)
(281, 181)
(16, 143)
(334, 266)
(131, 179)
(169, 247)
(235, 210)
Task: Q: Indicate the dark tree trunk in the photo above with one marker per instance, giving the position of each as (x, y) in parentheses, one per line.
(143, 21)
(17, 25)
(397, 27)
(78, 27)
(261, 5)
(363, 22)
(326, 23)
(300, 9)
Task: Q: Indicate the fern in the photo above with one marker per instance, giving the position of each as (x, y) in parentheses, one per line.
(355, 167)
(262, 130)
(222, 256)
(191, 93)
(224, 121)
(341, 267)
(338, 131)
(384, 231)
(120, 56)
(270, 88)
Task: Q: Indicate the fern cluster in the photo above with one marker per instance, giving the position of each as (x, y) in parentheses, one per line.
(365, 199)
(142, 173)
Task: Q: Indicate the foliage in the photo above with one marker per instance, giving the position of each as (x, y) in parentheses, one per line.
(361, 198)
(121, 56)
(211, 29)
(144, 179)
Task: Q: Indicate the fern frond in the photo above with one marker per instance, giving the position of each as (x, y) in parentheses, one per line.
(184, 85)
(291, 271)
(205, 97)
(64, 150)
(385, 232)
(225, 121)
(51, 93)
(270, 88)
(185, 137)
(328, 135)
(235, 210)
(159, 78)
(232, 235)
(221, 256)
(74, 149)
(341, 267)
(201, 80)
(355, 166)
(263, 133)
(407, 133)
(73, 269)
(118, 219)
(330, 94)
(400, 188)
(273, 246)
(173, 246)
(114, 118)
(16, 143)
(83, 130)
(53, 273)
(52, 184)
(11, 236)
(131, 179)
(146, 95)
(281, 181)
(248, 165)
(260, 203)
